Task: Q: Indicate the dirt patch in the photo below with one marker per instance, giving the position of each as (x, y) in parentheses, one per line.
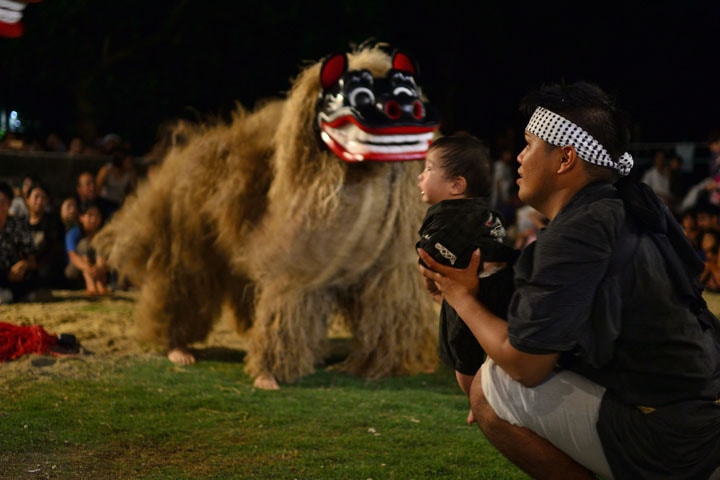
(105, 329)
(103, 326)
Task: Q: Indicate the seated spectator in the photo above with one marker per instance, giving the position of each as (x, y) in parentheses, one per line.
(688, 221)
(13, 141)
(116, 180)
(710, 277)
(657, 177)
(76, 146)
(528, 223)
(501, 198)
(87, 193)
(17, 253)
(18, 206)
(83, 259)
(698, 194)
(48, 236)
(54, 143)
(680, 180)
(85, 189)
(69, 212)
(108, 143)
(706, 217)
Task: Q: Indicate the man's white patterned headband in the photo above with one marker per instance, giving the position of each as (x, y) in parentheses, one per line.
(559, 131)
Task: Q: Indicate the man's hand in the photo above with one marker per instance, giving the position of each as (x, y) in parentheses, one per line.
(453, 283)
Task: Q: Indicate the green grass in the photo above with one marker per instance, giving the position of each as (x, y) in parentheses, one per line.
(143, 418)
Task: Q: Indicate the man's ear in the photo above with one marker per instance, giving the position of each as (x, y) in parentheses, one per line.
(459, 186)
(569, 159)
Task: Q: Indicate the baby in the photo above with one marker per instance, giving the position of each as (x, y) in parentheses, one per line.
(456, 183)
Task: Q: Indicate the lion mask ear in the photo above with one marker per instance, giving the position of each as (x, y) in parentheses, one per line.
(332, 69)
(402, 61)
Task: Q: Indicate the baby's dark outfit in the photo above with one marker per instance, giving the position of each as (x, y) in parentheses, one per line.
(450, 233)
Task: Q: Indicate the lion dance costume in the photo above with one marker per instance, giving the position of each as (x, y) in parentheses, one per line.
(297, 213)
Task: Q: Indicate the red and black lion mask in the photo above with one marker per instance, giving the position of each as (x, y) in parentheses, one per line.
(366, 118)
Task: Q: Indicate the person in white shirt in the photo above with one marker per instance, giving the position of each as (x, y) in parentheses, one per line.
(657, 177)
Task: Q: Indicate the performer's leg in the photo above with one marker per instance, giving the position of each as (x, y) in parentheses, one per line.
(394, 323)
(176, 310)
(288, 336)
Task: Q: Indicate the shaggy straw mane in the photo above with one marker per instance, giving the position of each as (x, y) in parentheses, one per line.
(256, 215)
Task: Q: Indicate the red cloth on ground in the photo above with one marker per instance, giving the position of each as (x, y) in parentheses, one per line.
(17, 340)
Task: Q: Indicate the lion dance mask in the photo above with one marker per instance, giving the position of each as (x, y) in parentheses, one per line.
(11, 17)
(291, 216)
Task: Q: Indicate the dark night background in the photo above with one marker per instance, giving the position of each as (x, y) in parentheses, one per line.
(91, 67)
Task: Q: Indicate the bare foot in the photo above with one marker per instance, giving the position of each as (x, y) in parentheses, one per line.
(266, 382)
(181, 356)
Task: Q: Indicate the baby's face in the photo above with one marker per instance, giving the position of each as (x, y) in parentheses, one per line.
(434, 187)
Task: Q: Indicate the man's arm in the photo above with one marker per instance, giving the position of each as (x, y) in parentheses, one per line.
(459, 288)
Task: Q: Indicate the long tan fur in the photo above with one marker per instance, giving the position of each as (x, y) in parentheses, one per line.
(256, 214)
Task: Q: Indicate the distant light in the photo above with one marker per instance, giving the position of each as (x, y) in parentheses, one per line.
(15, 123)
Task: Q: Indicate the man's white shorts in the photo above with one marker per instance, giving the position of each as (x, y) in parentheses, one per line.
(564, 410)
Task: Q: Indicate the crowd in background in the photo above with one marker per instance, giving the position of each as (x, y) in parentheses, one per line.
(45, 239)
(54, 143)
(61, 226)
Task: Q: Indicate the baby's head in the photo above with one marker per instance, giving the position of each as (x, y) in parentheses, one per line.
(456, 166)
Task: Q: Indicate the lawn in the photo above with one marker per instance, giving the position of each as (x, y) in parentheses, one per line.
(121, 413)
